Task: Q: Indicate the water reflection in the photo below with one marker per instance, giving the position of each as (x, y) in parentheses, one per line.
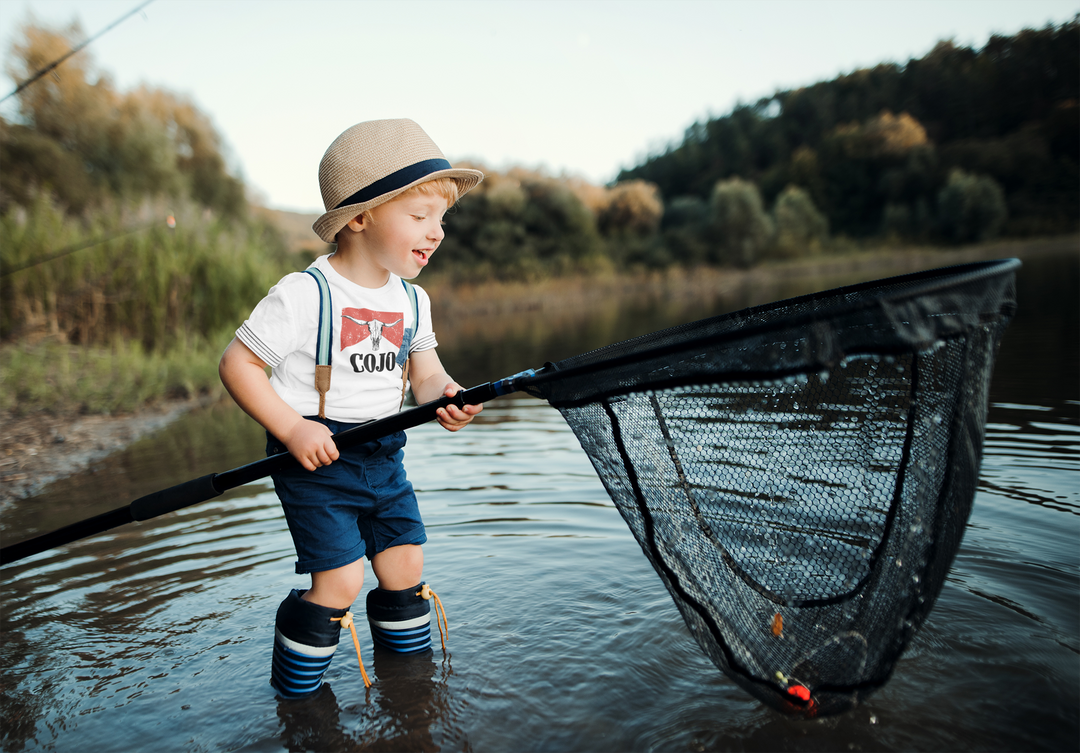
(408, 708)
(1042, 456)
(212, 439)
(486, 347)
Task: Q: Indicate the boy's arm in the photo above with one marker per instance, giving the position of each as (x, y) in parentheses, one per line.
(244, 376)
(430, 382)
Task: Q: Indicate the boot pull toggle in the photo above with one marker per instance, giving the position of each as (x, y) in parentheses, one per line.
(346, 621)
(427, 594)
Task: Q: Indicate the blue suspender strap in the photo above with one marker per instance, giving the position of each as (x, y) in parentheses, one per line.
(326, 321)
(415, 305)
(408, 337)
(324, 339)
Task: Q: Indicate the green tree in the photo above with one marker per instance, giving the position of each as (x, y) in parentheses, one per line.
(800, 227)
(521, 224)
(632, 207)
(138, 144)
(970, 208)
(31, 163)
(741, 227)
(685, 230)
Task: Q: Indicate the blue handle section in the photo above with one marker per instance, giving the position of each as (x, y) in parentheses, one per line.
(508, 385)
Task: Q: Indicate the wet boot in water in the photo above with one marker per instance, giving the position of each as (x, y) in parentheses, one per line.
(305, 639)
(400, 620)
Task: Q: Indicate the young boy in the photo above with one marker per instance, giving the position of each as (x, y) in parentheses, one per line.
(386, 187)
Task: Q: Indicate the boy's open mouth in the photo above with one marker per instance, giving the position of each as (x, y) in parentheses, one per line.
(421, 256)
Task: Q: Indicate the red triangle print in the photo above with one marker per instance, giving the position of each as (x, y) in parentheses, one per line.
(385, 328)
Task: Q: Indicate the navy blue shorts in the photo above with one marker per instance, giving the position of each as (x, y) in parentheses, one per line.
(357, 506)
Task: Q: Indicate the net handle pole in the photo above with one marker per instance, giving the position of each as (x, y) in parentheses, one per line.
(212, 485)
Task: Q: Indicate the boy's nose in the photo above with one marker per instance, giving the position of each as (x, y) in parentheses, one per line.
(437, 233)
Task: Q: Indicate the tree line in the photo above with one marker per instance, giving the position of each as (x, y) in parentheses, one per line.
(957, 146)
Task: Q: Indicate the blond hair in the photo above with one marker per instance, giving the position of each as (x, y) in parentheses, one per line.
(447, 188)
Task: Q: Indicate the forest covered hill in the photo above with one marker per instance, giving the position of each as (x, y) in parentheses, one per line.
(958, 145)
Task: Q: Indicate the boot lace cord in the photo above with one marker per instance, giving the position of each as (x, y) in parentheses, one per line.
(347, 622)
(426, 593)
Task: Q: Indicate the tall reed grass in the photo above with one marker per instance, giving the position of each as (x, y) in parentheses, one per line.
(142, 314)
(75, 379)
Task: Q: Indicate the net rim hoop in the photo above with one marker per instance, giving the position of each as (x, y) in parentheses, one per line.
(937, 279)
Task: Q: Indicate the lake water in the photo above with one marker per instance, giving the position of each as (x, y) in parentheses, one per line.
(157, 636)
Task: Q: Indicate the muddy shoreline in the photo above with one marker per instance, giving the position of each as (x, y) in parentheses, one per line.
(39, 449)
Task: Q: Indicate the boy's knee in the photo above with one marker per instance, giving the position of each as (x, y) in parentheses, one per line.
(337, 588)
(399, 567)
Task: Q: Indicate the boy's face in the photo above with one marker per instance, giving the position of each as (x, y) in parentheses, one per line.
(405, 233)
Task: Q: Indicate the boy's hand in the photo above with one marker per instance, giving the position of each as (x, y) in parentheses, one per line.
(311, 443)
(452, 417)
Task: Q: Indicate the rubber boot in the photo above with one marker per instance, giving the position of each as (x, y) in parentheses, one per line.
(305, 640)
(400, 620)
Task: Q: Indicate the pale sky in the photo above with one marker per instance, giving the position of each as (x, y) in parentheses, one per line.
(584, 87)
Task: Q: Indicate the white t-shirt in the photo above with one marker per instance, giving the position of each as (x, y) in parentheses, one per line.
(369, 325)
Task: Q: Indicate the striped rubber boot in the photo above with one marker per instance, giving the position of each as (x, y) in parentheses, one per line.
(400, 620)
(304, 643)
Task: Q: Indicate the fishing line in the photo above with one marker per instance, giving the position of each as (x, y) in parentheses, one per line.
(170, 221)
(51, 66)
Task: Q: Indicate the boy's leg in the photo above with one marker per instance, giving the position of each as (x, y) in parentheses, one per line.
(338, 588)
(400, 619)
(398, 567)
(307, 629)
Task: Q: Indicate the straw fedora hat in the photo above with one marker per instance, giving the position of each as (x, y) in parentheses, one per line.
(373, 162)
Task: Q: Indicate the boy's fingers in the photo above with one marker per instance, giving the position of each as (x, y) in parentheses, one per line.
(455, 413)
(454, 419)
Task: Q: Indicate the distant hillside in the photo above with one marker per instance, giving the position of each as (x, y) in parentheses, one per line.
(939, 148)
(295, 229)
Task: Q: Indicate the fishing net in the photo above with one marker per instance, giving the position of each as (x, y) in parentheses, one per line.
(800, 474)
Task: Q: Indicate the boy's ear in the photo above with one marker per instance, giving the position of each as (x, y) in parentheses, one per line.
(356, 224)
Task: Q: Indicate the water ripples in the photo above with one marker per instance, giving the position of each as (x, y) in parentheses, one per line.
(561, 634)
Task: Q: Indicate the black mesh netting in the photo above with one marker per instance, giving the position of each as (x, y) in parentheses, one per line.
(800, 474)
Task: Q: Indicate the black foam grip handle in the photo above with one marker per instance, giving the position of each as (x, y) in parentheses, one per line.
(175, 498)
(103, 522)
(475, 395)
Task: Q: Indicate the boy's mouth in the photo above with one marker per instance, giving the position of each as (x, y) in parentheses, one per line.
(421, 255)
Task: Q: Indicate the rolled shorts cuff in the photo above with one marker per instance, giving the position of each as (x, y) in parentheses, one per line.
(416, 536)
(330, 563)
